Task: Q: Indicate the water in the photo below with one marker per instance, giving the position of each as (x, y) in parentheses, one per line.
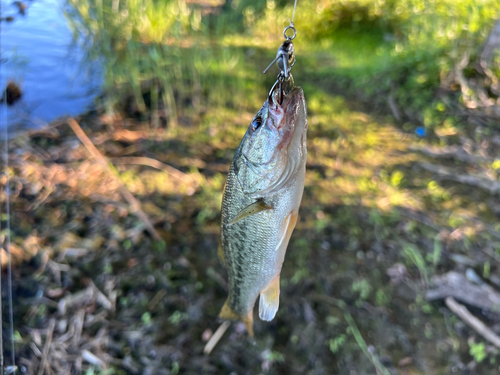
(38, 52)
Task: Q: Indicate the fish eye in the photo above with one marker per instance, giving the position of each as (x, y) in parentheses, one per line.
(256, 123)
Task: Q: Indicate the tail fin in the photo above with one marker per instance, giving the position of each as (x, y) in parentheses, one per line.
(228, 313)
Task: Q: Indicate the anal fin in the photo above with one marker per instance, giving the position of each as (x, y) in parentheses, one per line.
(252, 209)
(228, 313)
(269, 300)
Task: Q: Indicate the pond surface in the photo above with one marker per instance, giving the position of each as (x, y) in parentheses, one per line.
(39, 53)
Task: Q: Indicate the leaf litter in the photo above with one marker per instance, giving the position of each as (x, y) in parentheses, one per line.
(95, 289)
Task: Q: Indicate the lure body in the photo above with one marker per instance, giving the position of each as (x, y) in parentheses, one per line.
(260, 206)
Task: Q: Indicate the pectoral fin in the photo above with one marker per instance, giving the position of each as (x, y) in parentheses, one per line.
(254, 208)
(228, 313)
(269, 300)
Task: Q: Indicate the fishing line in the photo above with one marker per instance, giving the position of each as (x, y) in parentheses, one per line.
(6, 241)
(1, 305)
(293, 14)
(285, 58)
(4, 115)
(9, 266)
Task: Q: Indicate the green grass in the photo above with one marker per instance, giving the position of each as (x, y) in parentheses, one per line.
(416, 258)
(172, 54)
(353, 329)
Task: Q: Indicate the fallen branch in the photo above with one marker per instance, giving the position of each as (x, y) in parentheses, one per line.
(153, 163)
(491, 46)
(453, 284)
(134, 203)
(491, 186)
(472, 321)
(449, 152)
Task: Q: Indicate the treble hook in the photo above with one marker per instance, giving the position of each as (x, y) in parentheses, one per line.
(286, 60)
(286, 53)
(283, 85)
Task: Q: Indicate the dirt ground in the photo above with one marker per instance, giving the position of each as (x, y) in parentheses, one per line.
(384, 214)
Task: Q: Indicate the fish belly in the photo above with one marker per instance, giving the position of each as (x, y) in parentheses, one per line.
(254, 248)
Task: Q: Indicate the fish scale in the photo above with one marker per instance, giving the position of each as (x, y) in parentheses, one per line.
(260, 204)
(248, 264)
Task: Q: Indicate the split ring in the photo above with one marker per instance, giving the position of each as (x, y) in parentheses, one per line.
(294, 33)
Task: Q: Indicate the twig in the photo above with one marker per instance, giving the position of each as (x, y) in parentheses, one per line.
(126, 364)
(394, 107)
(323, 298)
(105, 200)
(79, 298)
(462, 81)
(421, 218)
(101, 298)
(450, 152)
(214, 340)
(218, 278)
(472, 321)
(46, 348)
(93, 359)
(489, 185)
(157, 298)
(45, 260)
(153, 163)
(489, 252)
(134, 203)
(78, 322)
(35, 349)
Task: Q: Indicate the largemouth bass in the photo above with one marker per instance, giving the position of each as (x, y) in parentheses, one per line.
(260, 206)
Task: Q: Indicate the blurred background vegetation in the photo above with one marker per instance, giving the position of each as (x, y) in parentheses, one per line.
(401, 189)
(200, 51)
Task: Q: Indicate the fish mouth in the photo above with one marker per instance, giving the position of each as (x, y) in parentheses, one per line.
(293, 97)
(283, 142)
(290, 119)
(291, 105)
(288, 115)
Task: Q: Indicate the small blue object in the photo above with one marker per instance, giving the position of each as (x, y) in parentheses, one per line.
(420, 131)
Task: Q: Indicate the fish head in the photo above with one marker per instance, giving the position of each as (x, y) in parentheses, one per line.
(274, 146)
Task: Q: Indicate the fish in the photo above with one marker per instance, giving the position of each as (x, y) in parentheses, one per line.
(260, 206)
